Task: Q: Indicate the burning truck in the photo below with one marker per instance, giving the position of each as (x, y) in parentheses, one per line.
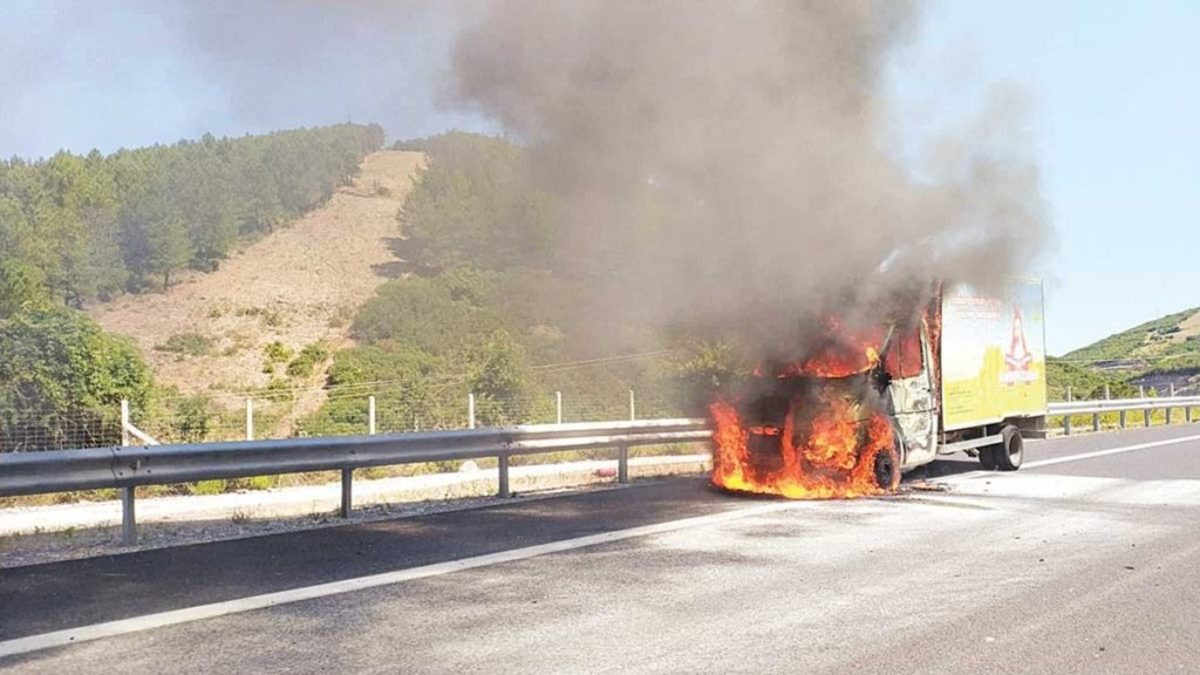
(865, 404)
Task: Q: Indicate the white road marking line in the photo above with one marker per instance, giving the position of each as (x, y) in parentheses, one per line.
(99, 631)
(1069, 458)
(1103, 453)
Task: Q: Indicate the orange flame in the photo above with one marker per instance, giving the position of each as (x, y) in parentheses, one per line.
(824, 453)
(844, 353)
(828, 464)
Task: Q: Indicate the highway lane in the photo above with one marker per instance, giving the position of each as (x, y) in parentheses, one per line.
(1083, 565)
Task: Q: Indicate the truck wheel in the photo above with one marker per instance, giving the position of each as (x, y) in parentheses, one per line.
(987, 459)
(887, 470)
(1011, 451)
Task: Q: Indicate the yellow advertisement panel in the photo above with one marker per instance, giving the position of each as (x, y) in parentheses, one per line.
(993, 355)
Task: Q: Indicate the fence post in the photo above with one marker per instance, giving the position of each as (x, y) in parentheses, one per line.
(503, 475)
(124, 423)
(1107, 393)
(1069, 396)
(371, 415)
(128, 494)
(1141, 391)
(1172, 389)
(471, 410)
(632, 407)
(347, 492)
(623, 464)
(558, 406)
(249, 419)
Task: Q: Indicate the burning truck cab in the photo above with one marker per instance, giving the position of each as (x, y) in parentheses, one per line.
(865, 405)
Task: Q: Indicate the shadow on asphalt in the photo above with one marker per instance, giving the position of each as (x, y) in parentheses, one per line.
(942, 468)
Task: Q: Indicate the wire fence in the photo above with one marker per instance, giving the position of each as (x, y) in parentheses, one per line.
(383, 408)
(33, 429)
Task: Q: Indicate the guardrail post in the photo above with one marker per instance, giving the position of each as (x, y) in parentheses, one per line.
(1067, 424)
(128, 518)
(128, 495)
(1169, 411)
(347, 492)
(1146, 414)
(249, 419)
(503, 476)
(623, 464)
(1122, 419)
(558, 406)
(1187, 414)
(1095, 421)
(371, 415)
(471, 410)
(632, 407)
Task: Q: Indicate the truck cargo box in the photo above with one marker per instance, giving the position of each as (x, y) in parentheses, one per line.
(993, 355)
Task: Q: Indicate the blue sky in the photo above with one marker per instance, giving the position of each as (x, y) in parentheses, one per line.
(1112, 91)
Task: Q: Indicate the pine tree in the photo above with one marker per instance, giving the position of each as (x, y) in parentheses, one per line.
(169, 248)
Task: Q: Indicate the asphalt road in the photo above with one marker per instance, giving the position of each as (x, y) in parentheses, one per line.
(1087, 560)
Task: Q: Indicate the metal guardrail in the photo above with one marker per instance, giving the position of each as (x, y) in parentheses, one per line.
(127, 467)
(1122, 407)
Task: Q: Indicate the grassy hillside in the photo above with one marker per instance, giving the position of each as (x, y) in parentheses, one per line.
(1083, 382)
(1175, 335)
(1155, 355)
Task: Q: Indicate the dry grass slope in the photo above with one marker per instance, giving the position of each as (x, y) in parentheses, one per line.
(299, 286)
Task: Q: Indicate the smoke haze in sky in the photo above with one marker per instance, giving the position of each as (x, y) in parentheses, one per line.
(728, 160)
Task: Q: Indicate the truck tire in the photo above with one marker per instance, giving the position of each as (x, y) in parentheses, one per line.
(1011, 451)
(887, 470)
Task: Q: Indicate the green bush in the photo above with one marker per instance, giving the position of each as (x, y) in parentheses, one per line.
(423, 313)
(59, 365)
(278, 389)
(188, 344)
(308, 358)
(194, 416)
(277, 352)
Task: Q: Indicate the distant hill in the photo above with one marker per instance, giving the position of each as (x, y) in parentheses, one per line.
(1155, 355)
